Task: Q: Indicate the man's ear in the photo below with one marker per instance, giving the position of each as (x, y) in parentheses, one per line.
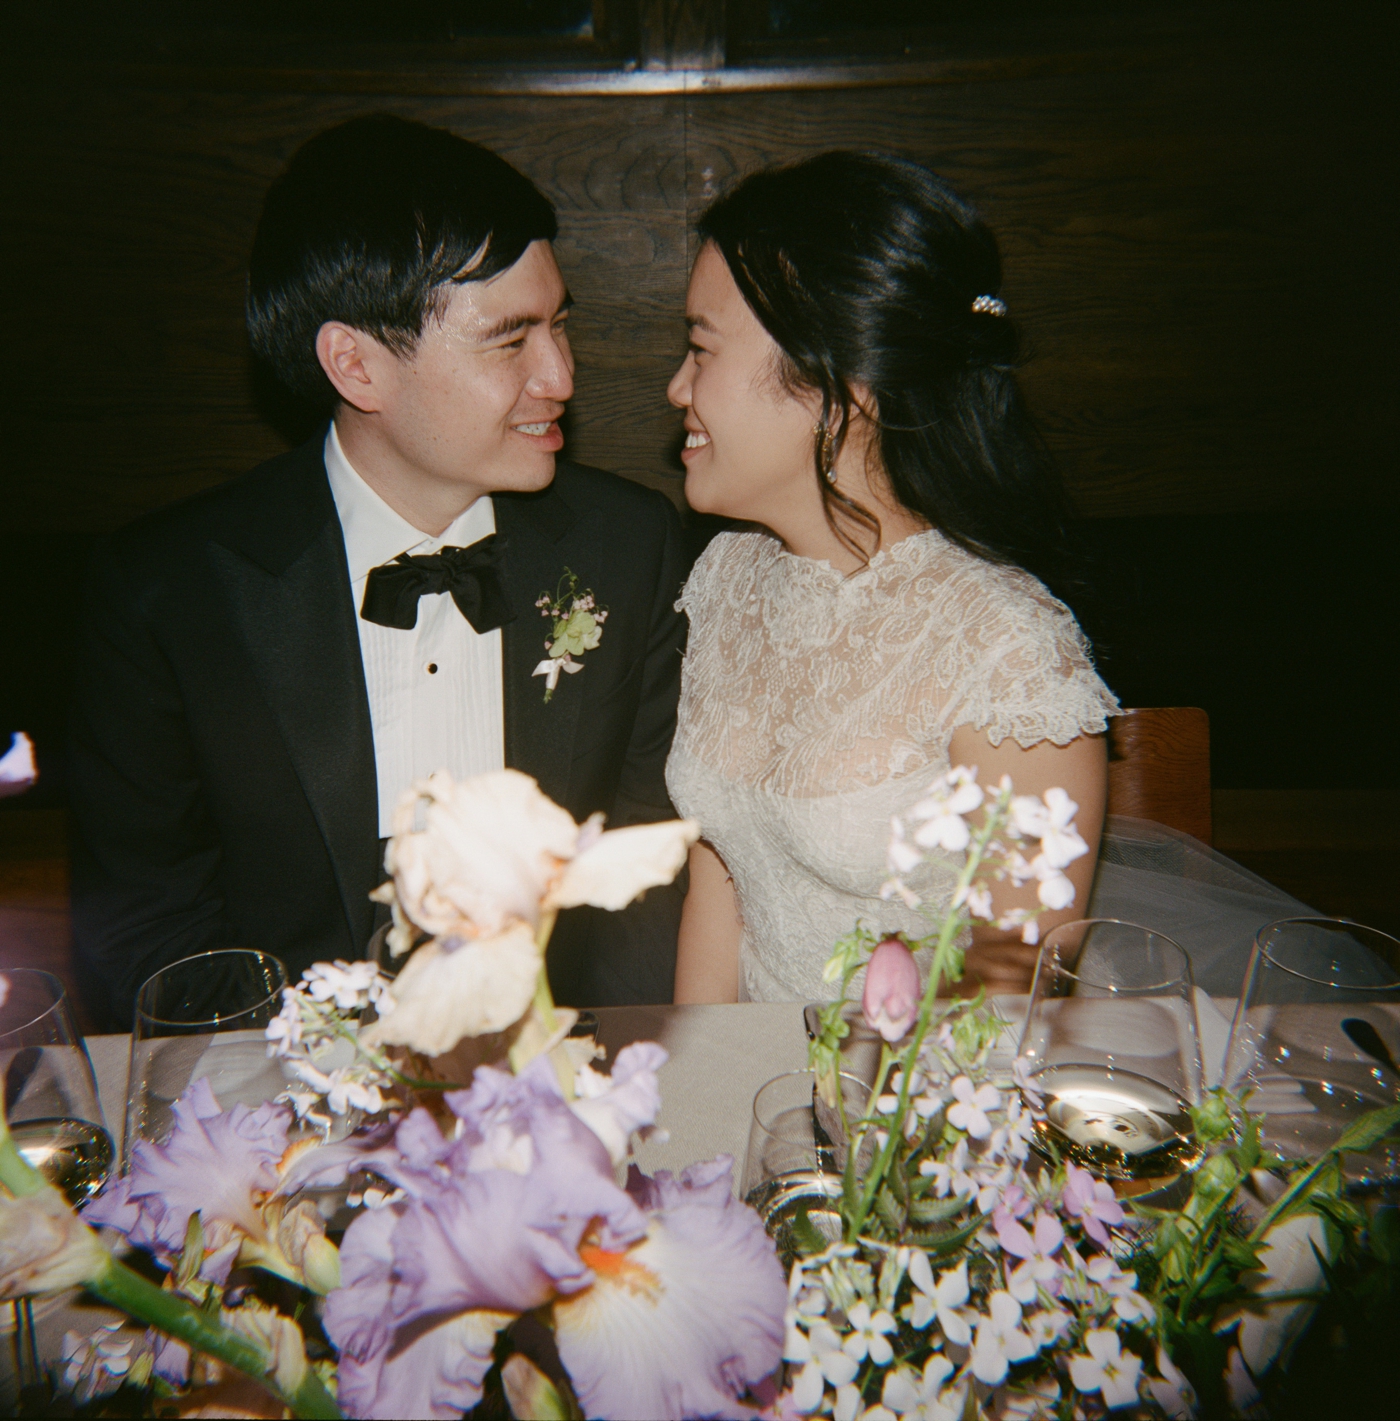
(359, 366)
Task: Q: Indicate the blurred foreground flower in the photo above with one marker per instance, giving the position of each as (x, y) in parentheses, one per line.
(481, 867)
(44, 1246)
(223, 1166)
(680, 1323)
(17, 769)
(663, 1295)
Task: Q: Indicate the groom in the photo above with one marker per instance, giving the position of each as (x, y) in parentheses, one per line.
(265, 668)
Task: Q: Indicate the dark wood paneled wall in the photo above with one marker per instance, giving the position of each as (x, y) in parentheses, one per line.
(1197, 222)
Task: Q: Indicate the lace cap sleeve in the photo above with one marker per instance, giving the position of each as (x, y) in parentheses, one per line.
(1035, 680)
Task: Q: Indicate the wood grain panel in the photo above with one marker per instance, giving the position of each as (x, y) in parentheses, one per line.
(1197, 226)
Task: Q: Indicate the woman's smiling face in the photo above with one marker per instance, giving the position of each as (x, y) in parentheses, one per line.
(749, 441)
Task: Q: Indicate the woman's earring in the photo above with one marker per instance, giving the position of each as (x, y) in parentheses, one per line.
(825, 462)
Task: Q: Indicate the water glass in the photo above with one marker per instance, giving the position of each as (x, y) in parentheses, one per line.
(797, 1155)
(1113, 1042)
(55, 1118)
(51, 1098)
(203, 1017)
(1314, 989)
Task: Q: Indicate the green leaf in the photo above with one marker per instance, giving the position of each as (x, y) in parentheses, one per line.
(1370, 1129)
(934, 1211)
(1248, 1152)
(939, 1243)
(192, 1255)
(1385, 1234)
(1342, 1212)
(805, 1233)
(889, 1212)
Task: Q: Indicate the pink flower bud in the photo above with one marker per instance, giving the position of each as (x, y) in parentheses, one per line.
(891, 1000)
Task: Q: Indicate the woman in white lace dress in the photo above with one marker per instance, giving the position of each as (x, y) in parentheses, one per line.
(849, 393)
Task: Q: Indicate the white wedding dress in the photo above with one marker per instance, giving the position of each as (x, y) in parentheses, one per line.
(815, 706)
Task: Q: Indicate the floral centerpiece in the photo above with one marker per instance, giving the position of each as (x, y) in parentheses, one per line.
(492, 1253)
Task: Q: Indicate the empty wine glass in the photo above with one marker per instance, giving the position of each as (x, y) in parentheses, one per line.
(203, 1017)
(54, 1112)
(797, 1155)
(1112, 1038)
(1315, 1020)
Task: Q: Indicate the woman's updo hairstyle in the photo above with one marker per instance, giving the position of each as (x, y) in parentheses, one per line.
(866, 270)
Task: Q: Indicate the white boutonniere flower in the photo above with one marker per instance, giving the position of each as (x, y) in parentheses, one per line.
(576, 626)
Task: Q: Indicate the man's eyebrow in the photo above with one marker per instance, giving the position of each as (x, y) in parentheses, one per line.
(508, 325)
(700, 323)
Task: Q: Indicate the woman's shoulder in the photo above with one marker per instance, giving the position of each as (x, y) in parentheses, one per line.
(994, 602)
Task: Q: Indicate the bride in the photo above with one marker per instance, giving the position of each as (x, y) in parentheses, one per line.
(849, 393)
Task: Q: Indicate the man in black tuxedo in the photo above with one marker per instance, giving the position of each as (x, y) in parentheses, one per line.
(265, 668)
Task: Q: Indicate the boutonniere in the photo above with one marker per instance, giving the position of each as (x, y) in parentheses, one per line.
(577, 626)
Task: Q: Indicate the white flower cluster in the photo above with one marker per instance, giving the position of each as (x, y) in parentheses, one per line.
(939, 822)
(1036, 1281)
(318, 1019)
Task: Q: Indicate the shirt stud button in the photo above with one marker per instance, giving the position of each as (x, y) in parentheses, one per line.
(431, 668)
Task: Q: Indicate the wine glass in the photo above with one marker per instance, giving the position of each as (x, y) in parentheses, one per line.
(53, 1109)
(1315, 1020)
(203, 1017)
(1112, 1038)
(797, 1155)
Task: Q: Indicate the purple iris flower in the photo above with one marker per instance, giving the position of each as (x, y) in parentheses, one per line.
(213, 1163)
(680, 1324)
(491, 1226)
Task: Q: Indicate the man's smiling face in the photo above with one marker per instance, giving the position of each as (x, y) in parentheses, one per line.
(478, 401)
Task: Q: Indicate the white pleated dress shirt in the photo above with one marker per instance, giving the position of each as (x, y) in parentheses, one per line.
(435, 698)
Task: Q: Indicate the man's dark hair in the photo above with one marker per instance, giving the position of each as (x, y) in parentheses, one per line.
(367, 225)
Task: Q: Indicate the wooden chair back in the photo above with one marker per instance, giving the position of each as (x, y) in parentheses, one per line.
(1159, 767)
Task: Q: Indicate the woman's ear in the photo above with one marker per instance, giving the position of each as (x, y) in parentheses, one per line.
(865, 404)
(355, 364)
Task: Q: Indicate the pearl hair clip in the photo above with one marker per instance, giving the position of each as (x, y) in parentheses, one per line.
(988, 306)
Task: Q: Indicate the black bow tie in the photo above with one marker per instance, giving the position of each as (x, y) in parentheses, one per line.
(470, 574)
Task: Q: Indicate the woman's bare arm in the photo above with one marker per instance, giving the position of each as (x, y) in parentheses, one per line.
(707, 952)
(998, 958)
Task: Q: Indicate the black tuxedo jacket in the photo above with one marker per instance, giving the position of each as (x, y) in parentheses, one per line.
(221, 756)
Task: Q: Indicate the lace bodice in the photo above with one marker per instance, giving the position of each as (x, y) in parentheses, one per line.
(814, 706)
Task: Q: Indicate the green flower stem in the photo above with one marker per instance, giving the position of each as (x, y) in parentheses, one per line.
(181, 1319)
(953, 924)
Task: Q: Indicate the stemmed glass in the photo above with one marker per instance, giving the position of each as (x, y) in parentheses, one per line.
(203, 1017)
(1317, 1016)
(53, 1109)
(1112, 1038)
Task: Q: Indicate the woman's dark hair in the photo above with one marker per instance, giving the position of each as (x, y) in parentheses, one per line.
(367, 224)
(865, 269)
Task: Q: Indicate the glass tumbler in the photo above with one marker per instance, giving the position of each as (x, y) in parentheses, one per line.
(1113, 1042)
(797, 1155)
(1317, 1020)
(203, 1017)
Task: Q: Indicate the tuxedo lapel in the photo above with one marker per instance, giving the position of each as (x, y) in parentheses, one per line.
(539, 736)
(288, 587)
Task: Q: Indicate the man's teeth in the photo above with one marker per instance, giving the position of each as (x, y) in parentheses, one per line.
(535, 428)
(696, 440)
